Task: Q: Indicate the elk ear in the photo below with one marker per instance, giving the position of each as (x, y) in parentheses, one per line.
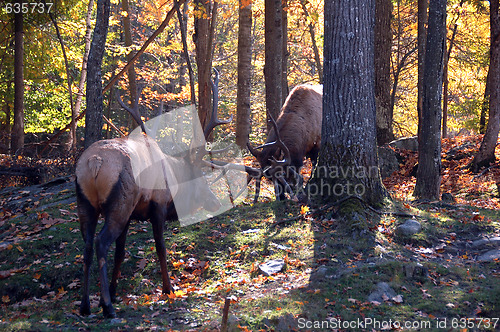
(253, 151)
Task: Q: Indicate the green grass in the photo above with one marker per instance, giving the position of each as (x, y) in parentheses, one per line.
(43, 290)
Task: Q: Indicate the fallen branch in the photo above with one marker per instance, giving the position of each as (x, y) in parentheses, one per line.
(485, 171)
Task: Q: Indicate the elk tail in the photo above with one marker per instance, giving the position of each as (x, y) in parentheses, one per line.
(94, 164)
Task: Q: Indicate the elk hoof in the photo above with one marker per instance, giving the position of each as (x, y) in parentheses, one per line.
(85, 308)
(108, 311)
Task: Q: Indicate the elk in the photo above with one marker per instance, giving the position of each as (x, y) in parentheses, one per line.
(294, 135)
(107, 185)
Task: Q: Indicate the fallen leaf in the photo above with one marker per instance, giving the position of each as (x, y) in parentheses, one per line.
(397, 299)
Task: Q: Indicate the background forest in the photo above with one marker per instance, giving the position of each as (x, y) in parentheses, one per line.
(48, 76)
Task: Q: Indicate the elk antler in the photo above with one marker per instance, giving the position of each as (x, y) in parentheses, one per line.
(134, 111)
(277, 166)
(209, 127)
(214, 120)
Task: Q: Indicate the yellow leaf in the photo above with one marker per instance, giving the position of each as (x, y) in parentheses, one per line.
(180, 293)
(304, 209)
(5, 299)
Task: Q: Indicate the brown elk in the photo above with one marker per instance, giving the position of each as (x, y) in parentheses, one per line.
(295, 134)
(106, 184)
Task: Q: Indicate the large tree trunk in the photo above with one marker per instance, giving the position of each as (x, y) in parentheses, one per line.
(17, 134)
(244, 74)
(423, 5)
(347, 163)
(273, 67)
(383, 45)
(486, 153)
(429, 148)
(94, 97)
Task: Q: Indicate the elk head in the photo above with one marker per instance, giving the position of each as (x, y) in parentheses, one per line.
(278, 171)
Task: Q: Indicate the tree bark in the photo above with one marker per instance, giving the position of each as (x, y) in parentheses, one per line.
(94, 97)
(273, 67)
(383, 45)
(17, 134)
(347, 163)
(204, 53)
(244, 74)
(429, 148)
(423, 5)
(486, 153)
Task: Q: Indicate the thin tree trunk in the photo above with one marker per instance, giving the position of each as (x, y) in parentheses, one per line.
(429, 148)
(17, 134)
(132, 84)
(182, 23)
(445, 80)
(244, 74)
(485, 106)
(317, 58)
(72, 136)
(486, 153)
(83, 75)
(397, 72)
(383, 45)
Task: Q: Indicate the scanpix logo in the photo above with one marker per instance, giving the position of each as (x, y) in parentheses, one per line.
(179, 134)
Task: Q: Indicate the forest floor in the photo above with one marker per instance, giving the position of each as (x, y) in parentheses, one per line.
(437, 278)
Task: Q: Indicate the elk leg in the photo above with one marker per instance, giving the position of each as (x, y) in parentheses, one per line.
(279, 191)
(119, 257)
(257, 190)
(157, 221)
(103, 242)
(88, 216)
